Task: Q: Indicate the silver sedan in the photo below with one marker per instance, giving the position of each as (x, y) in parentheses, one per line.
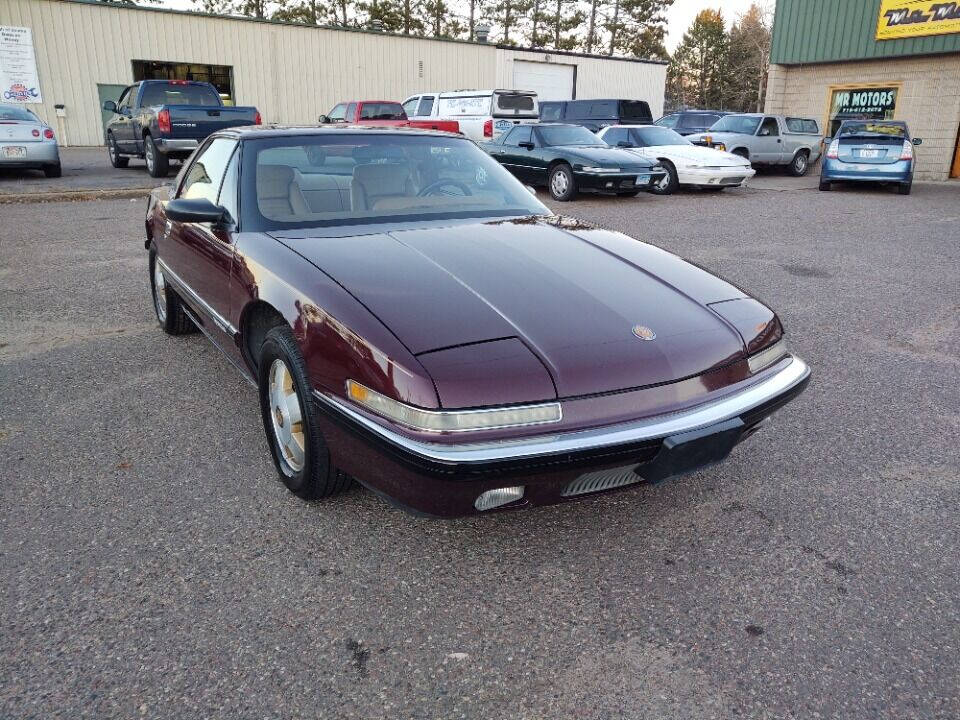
(27, 142)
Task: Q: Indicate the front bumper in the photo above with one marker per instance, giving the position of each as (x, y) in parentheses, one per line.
(900, 171)
(719, 176)
(446, 478)
(38, 154)
(617, 182)
(172, 145)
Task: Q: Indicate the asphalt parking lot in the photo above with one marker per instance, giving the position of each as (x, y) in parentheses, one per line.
(154, 566)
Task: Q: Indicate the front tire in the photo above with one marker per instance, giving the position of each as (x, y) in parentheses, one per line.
(116, 159)
(158, 165)
(166, 303)
(291, 420)
(669, 183)
(799, 165)
(562, 183)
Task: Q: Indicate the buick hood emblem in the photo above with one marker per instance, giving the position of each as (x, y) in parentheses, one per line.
(643, 332)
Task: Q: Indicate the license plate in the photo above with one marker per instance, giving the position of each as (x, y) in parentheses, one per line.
(869, 153)
(643, 179)
(16, 151)
(502, 125)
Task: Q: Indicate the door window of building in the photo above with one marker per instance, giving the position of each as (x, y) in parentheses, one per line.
(869, 103)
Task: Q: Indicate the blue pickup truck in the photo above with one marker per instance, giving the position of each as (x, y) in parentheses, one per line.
(164, 120)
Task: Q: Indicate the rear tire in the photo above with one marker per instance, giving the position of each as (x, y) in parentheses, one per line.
(669, 184)
(291, 420)
(799, 165)
(905, 188)
(562, 183)
(53, 171)
(825, 186)
(166, 303)
(158, 165)
(116, 159)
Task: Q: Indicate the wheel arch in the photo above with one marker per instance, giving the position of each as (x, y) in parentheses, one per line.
(742, 151)
(256, 320)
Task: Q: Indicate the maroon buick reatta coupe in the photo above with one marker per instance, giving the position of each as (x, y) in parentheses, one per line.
(415, 319)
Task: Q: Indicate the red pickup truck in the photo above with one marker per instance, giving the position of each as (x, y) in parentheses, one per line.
(383, 113)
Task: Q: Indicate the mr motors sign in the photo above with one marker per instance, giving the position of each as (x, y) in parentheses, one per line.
(868, 101)
(916, 18)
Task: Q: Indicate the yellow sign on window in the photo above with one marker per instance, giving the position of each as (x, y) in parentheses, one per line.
(916, 18)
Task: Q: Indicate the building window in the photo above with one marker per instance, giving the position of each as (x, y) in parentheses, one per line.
(867, 103)
(220, 76)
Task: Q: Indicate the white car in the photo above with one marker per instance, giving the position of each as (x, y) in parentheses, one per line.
(483, 115)
(685, 163)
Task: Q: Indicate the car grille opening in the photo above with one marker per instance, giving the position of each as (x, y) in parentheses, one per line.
(732, 180)
(602, 480)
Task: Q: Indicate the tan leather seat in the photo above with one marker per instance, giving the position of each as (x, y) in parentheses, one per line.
(381, 180)
(273, 191)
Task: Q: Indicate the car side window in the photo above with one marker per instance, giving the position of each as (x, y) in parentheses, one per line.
(351, 115)
(426, 105)
(616, 135)
(669, 121)
(228, 199)
(338, 112)
(124, 101)
(206, 172)
(519, 134)
(410, 106)
(769, 128)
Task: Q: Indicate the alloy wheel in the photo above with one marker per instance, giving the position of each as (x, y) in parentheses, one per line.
(159, 292)
(286, 417)
(559, 183)
(148, 155)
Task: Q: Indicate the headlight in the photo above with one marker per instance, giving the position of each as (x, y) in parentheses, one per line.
(452, 421)
(587, 168)
(766, 358)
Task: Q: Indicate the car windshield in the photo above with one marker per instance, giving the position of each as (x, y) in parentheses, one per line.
(180, 93)
(650, 136)
(11, 113)
(744, 124)
(556, 135)
(873, 129)
(323, 180)
(382, 111)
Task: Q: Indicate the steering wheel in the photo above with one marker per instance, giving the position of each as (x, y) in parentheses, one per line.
(428, 190)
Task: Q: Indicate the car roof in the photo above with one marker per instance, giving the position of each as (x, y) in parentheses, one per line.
(262, 131)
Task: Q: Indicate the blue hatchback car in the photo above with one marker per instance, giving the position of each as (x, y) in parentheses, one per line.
(879, 151)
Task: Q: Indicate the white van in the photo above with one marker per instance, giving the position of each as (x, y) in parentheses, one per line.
(482, 114)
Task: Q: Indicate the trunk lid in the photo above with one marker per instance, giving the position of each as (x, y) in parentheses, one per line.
(870, 149)
(573, 303)
(20, 131)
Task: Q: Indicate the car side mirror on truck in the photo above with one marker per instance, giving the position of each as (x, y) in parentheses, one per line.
(323, 120)
(195, 210)
(110, 106)
(917, 141)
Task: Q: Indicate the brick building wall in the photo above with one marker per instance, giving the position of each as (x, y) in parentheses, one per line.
(928, 99)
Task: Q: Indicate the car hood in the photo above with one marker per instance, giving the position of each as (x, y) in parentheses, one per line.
(572, 295)
(609, 156)
(694, 154)
(717, 136)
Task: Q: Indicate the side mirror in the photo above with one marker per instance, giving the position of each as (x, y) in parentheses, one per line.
(323, 120)
(196, 210)
(917, 141)
(527, 145)
(625, 144)
(110, 106)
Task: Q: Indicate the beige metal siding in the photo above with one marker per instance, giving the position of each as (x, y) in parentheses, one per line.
(291, 73)
(597, 77)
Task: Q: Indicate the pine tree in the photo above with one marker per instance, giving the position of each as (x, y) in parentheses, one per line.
(696, 75)
(637, 28)
(748, 60)
(439, 19)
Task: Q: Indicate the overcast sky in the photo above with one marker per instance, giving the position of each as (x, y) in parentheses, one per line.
(679, 17)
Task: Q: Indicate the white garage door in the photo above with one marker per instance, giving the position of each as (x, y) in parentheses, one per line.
(550, 80)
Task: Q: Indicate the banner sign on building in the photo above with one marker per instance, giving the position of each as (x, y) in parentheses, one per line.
(19, 82)
(865, 102)
(916, 18)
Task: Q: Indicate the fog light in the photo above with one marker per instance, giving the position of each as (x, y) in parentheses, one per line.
(496, 498)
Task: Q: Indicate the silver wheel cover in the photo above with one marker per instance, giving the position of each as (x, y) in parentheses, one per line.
(285, 417)
(159, 292)
(558, 183)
